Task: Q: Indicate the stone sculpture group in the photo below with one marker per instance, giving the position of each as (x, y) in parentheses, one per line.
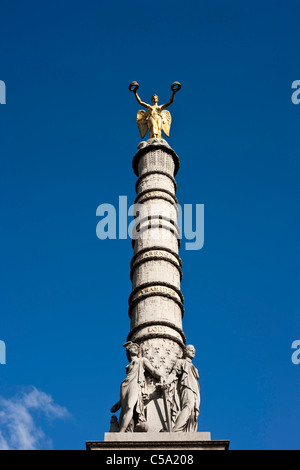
(180, 390)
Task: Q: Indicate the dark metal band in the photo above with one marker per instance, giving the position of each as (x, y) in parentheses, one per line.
(150, 226)
(152, 190)
(159, 323)
(155, 258)
(133, 240)
(153, 284)
(155, 172)
(149, 218)
(152, 294)
(165, 198)
(156, 248)
(160, 335)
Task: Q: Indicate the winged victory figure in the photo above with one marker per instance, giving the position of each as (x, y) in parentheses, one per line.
(156, 118)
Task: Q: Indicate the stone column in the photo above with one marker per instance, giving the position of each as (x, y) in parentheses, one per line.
(156, 302)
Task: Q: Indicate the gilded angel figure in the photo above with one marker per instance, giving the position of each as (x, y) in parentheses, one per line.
(156, 118)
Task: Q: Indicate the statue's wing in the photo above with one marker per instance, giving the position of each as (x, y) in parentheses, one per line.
(166, 121)
(141, 119)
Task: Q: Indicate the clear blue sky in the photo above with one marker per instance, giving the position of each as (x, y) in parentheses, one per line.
(67, 138)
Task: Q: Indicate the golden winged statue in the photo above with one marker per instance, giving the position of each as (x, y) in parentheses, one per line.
(156, 118)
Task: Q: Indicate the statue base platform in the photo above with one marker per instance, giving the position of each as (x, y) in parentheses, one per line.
(120, 441)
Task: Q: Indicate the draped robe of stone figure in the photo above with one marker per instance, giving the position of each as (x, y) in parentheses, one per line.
(132, 388)
(184, 393)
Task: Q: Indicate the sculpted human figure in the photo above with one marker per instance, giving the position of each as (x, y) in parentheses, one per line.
(131, 393)
(186, 395)
(156, 119)
(114, 425)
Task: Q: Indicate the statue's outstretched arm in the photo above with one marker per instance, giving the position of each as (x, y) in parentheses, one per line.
(134, 88)
(174, 87)
(145, 105)
(164, 106)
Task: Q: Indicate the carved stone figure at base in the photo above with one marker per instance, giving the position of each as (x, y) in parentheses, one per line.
(184, 393)
(132, 390)
(114, 425)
